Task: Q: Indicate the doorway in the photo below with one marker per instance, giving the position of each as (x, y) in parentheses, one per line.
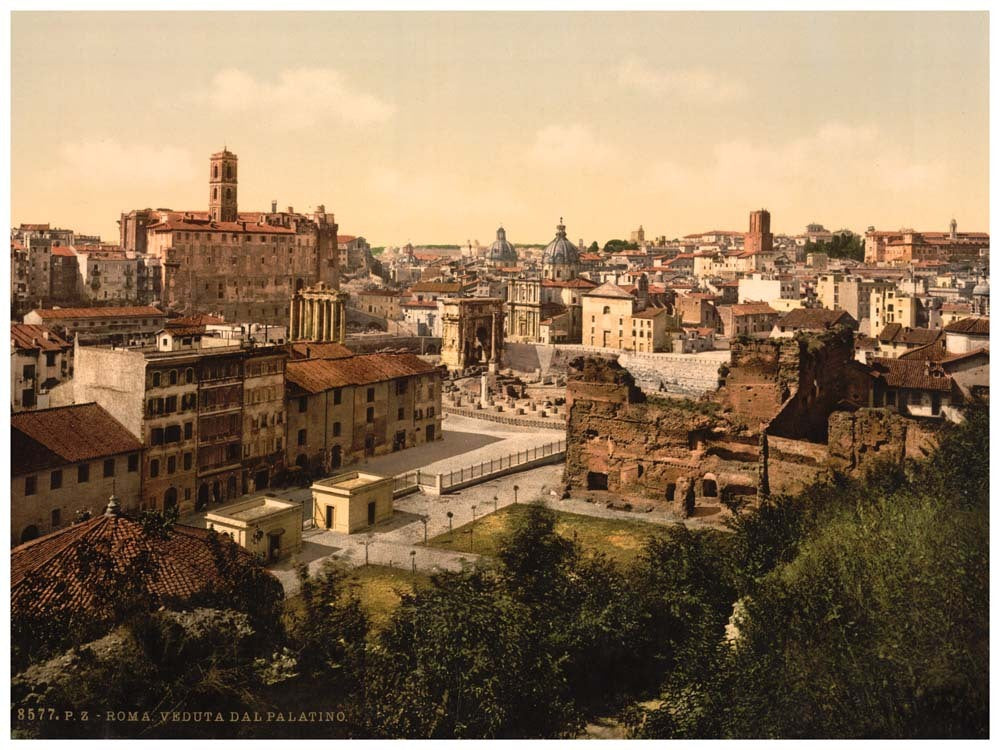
(369, 445)
(260, 479)
(597, 480)
(273, 546)
(329, 516)
(202, 497)
(429, 432)
(335, 457)
(371, 513)
(399, 441)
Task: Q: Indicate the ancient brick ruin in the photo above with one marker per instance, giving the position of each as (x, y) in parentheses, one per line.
(786, 413)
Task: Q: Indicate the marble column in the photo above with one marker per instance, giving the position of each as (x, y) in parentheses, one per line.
(307, 332)
(328, 316)
(291, 319)
(342, 316)
(321, 329)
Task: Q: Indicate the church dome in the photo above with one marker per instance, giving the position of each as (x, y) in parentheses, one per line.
(560, 251)
(982, 289)
(501, 252)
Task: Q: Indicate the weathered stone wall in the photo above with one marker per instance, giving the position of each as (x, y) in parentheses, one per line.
(860, 440)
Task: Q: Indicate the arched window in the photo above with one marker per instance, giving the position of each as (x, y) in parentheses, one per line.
(229, 194)
(156, 380)
(229, 171)
(607, 310)
(173, 377)
(189, 375)
(215, 194)
(215, 172)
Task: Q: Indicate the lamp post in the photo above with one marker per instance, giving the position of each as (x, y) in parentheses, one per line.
(494, 503)
(516, 488)
(413, 560)
(473, 513)
(367, 542)
(423, 520)
(450, 516)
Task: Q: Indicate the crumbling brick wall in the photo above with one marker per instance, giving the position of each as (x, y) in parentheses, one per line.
(860, 440)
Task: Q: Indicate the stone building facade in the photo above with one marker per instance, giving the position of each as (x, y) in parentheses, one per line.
(318, 313)
(243, 266)
(472, 332)
(340, 411)
(40, 360)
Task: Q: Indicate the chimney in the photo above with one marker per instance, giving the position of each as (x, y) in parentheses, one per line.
(274, 207)
(291, 210)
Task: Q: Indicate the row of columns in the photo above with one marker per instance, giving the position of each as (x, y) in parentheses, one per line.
(316, 319)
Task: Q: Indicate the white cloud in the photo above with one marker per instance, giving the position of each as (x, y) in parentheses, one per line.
(694, 84)
(299, 98)
(111, 164)
(855, 168)
(570, 146)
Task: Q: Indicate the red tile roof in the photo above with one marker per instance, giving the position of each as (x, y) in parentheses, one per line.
(815, 318)
(51, 574)
(570, 284)
(63, 252)
(318, 375)
(913, 374)
(25, 336)
(972, 326)
(194, 320)
(753, 308)
(199, 222)
(64, 435)
(63, 313)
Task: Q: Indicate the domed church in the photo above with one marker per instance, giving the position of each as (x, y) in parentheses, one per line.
(501, 254)
(560, 258)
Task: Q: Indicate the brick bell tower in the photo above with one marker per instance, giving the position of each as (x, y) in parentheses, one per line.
(222, 186)
(327, 249)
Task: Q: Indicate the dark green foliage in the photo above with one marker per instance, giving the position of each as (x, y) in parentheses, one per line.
(461, 660)
(594, 247)
(616, 246)
(328, 632)
(840, 246)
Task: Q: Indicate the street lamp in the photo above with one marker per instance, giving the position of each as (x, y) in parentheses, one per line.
(413, 560)
(423, 520)
(516, 488)
(473, 513)
(367, 542)
(450, 516)
(494, 503)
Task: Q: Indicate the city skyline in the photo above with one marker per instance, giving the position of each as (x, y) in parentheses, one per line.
(438, 127)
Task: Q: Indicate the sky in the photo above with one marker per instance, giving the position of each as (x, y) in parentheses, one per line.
(437, 127)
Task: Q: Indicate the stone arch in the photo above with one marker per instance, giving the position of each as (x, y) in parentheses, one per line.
(170, 499)
(709, 486)
(202, 501)
(29, 533)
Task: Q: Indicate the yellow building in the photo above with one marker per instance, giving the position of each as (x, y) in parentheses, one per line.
(268, 527)
(649, 330)
(352, 501)
(607, 313)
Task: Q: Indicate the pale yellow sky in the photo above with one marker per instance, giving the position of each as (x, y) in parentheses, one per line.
(436, 127)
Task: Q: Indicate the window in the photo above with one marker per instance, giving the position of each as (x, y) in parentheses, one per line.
(154, 468)
(302, 437)
(188, 429)
(29, 372)
(189, 375)
(607, 310)
(55, 481)
(400, 388)
(187, 460)
(30, 485)
(370, 414)
(133, 462)
(170, 406)
(336, 429)
(401, 414)
(156, 375)
(109, 468)
(371, 395)
(171, 464)
(50, 359)
(336, 396)
(156, 436)
(56, 517)
(303, 403)
(83, 473)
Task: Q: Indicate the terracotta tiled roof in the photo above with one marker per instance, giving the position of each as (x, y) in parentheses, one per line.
(650, 312)
(981, 352)
(437, 286)
(63, 252)
(50, 573)
(65, 435)
(24, 336)
(318, 375)
(195, 221)
(345, 238)
(932, 352)
(609, 290)
(815, 318)
(420, 303)
(194, 320)
(63, 313)
(34, 227)
(913, 374)
(973, 326)
(894, 333)
(753, 308)
(319, 350)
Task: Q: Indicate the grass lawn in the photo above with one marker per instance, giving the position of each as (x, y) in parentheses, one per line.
(379, 589)
(621, 540)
